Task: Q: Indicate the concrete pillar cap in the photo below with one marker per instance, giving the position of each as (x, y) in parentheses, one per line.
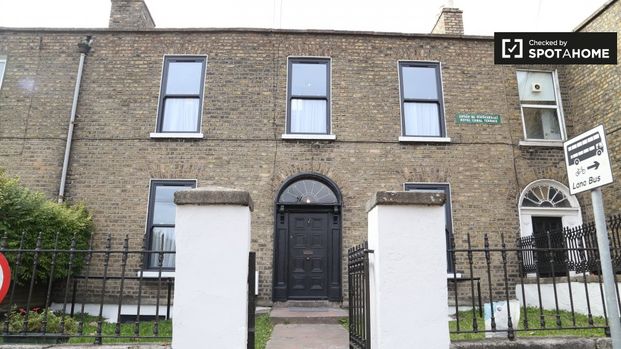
(213, 195)
(406, 198)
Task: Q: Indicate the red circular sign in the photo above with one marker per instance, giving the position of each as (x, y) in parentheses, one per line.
(5, 277)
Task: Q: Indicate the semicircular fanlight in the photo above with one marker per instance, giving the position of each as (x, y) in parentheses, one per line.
(308, 192)
(545, 196)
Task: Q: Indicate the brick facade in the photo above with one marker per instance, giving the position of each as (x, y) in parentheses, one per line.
(113, 157)
(595, 98)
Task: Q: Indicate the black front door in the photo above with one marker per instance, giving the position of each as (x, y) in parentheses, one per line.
(308, 257)
(549, 262)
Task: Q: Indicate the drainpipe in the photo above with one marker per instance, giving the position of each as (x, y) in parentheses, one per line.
(84, 46)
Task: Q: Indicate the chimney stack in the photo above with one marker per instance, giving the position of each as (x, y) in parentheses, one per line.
(130, 14)
(449, 22)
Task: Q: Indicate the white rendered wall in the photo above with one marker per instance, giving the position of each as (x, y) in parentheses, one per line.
(110, 311)
(577, 291)
(408, 277)
(211, 300)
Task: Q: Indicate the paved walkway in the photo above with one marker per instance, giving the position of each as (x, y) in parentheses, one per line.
(309, 336)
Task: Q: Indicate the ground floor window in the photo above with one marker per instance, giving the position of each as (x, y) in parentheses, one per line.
(440, 188)
(161, 221)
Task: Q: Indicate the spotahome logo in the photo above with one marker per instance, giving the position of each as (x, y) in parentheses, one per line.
(555, 48)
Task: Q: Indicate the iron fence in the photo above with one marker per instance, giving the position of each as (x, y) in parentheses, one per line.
(545, 282)
(359, 297)
(105, 293)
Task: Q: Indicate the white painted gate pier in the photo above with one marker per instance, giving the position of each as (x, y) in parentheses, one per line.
(408, 287)
(211, 291)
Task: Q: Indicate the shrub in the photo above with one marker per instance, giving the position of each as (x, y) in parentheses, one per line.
(28, 214)
(36, 317)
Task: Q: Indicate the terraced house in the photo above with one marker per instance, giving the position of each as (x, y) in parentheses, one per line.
(310, 122)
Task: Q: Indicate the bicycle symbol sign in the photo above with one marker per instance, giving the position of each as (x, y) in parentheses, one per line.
(587, 162)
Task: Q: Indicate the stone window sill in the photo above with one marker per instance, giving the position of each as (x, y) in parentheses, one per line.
(542, 143)
(156, 135)
(412, 139)
(308, 136)
(154, 274)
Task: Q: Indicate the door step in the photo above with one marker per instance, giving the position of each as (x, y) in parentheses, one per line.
(307, 312)
(307, 304)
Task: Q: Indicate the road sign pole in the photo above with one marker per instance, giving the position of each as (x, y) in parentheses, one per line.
(604, 256)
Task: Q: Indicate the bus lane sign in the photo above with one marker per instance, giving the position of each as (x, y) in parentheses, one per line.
(587, 161)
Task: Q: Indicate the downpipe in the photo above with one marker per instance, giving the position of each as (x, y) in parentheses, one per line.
(84, 47)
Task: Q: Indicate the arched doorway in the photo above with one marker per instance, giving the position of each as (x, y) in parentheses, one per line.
(546, 207)
(547, 198)
(307, 239)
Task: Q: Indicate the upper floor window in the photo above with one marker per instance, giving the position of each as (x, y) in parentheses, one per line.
(2, 66)
(181, 95)
(422, 108)
(308, 96)
(161, 221)
(542, 117)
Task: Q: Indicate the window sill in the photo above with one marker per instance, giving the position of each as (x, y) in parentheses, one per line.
(308, 136)
(198, 135)
(154, 274)
(408, 139)
(542, 143)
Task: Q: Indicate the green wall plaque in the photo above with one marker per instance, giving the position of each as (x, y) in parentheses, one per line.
(473, 118)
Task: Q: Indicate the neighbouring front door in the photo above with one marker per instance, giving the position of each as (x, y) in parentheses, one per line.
(548, 234)
(308, 257)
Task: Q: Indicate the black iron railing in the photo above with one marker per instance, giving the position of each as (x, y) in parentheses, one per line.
(552, 279)
(251, 299)
(359, 297)
(105, 293)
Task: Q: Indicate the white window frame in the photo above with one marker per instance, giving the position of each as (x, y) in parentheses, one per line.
(330, 136)
(192, 135)
(559, 112)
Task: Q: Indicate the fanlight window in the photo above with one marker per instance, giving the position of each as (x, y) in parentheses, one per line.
(545, 196)
(308, 191)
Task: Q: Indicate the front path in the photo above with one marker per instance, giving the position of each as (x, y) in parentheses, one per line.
(309, 336)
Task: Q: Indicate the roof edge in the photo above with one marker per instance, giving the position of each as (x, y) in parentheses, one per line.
(594, 15)
(247, 30)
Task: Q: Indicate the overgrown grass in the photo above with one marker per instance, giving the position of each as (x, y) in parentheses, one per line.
(146, 330)
(535, 329)
(534, 325)
(263, 332)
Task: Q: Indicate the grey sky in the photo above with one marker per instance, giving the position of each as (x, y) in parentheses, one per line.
(410, 16)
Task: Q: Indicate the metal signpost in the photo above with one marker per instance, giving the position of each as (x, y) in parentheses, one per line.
(588, 168)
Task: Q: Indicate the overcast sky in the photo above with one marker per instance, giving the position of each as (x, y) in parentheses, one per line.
(481, 17)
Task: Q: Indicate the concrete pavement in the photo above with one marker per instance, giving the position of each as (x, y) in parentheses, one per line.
(309, 336)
